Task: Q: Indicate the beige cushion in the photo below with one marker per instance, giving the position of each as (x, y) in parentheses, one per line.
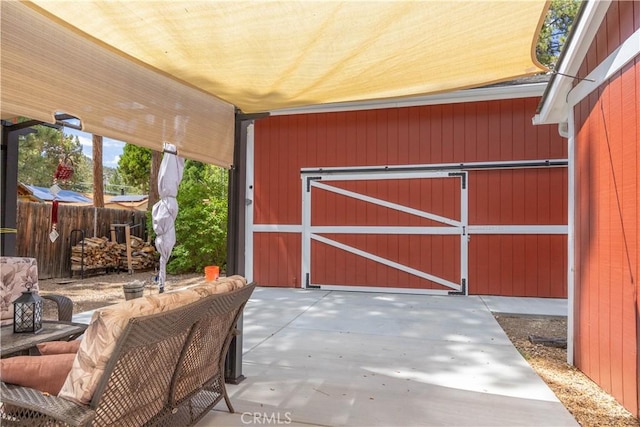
(108, 323)
(15, 274)
(44, 373)
(58, 347)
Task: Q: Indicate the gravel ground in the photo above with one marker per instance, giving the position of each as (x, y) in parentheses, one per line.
(97, 291)
(589, 404)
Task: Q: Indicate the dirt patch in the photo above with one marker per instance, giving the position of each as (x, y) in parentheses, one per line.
(99, 291)
(589, 404)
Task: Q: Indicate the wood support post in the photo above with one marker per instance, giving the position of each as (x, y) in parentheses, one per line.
(127, 239)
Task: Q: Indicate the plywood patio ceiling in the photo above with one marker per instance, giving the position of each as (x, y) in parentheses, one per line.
(269, 55)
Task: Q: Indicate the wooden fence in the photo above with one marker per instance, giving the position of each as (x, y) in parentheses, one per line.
(54, 259)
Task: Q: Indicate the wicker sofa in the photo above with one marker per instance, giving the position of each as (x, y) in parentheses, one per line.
(157, 360)
(16, 275)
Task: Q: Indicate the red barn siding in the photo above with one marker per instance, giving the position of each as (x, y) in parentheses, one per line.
(284, 144)
(607, 230)
(472, 132)
(528, 265)
(439, 196)
(277, 257)
(523, 196)
(520, 264)
(436, 254)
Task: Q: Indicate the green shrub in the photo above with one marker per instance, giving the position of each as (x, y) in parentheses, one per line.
(201, 225)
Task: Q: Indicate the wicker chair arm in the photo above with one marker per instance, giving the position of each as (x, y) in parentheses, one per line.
(65, 306)
(29, 407)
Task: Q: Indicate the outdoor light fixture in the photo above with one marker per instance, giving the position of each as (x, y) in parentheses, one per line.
(27, 312)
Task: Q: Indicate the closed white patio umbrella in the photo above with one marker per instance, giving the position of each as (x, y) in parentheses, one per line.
(165, 211)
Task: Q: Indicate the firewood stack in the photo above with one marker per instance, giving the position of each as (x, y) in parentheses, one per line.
(100, 253)
(143, 255)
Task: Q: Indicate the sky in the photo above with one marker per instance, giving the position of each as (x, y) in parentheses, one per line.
(111, 148)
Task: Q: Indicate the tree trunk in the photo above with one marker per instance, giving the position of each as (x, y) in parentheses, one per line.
(98, 177)
(156, 159)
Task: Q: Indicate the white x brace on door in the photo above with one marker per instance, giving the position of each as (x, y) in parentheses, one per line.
(440, 225)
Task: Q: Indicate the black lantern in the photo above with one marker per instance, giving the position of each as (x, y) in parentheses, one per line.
(27, 312)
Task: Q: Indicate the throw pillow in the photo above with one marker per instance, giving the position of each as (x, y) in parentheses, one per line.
(44, 373)
(15, 274)
(59, 347)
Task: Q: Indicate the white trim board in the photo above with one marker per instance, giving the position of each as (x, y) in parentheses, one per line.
(512, 229)
(571, 208)
(381, 229)
(493, 93)
(277, 228)
(517, 229)
(387, 173)
(248, 219)
(382, 290)
(617, 60)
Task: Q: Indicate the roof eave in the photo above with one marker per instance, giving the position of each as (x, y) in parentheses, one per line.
(554, 107)
(490, 93)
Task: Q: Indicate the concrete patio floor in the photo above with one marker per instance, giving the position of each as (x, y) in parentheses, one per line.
(331, 358)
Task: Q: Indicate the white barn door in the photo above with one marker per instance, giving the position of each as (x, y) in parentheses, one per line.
(395, 231)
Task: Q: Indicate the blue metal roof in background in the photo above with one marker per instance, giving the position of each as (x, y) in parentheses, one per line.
(66, 196)
(129, 198)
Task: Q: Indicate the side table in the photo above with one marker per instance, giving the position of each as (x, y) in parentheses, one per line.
(13, 344)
